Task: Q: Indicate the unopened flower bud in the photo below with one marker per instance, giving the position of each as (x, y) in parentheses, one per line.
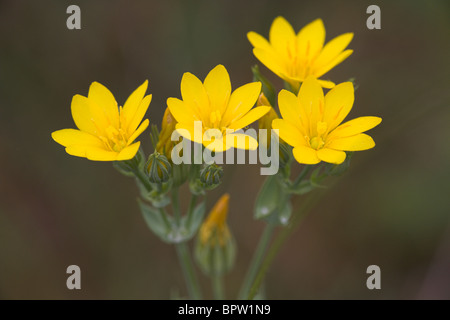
(211, 175)
(215, 249)
(165, 144)
(158, 168)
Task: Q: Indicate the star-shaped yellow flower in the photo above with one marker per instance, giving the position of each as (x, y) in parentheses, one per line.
(105, 132)
(312, 123)
(213, 103)
(294, 57)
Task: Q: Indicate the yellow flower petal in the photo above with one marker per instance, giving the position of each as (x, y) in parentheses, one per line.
(250, 117)
(281, 36)
(311, 39)
(139, 114)
(326, 84)
(305, 155)
(241, 101)
(194, 94)
(187, 132)
(81, 114)
(289, 133)
(129, 152)
(241, 141)
(138, 131)
(77, 150)
(258, 41)
(104, 100)
(353, 127)
(218, 87)
(217, 145)
(332, 49)
(341, 57)
(338, 103)
(181, 111)
(133, 102)
(271, 60)
(290, 110)
(353, 143)
(331, 156)
(68, 137)
(97, 154)
(311, 102)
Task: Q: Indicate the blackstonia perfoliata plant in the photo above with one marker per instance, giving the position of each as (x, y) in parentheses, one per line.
(211, 118)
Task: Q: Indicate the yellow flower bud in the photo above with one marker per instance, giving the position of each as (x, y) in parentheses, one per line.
(215, 229)
(165, 144)
(215, 250)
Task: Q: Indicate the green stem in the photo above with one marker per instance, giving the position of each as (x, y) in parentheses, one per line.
(256, 260)
(188, 271)
(302, 175)
(176, 205)
(191, 208)
(141, 176)
(217, 285)
(164, 217)
(309, 202)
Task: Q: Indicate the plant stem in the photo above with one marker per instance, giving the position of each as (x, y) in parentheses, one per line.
(309, 202)
(188, 270)
(176, 205)
(217, 285)
(256, 260)
(302, 175)
(164, 217)
(141, 176)
(191, 208)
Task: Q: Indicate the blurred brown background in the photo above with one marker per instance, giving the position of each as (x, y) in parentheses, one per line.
(391, 209)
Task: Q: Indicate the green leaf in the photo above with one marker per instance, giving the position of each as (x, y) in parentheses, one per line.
(302, 188)
(197, 218)
(154, 220)
(285, 212)
(268, 198)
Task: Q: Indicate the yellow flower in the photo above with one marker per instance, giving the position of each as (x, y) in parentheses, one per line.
(312, 123)
(165, 143)
(294, 57)
(106, 131)
(215, 229)
(213, 103)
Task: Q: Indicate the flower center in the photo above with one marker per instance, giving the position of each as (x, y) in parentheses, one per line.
(317, 142)
(115, 138)
(215, 118)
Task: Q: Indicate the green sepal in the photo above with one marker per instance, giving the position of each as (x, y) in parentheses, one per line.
(215, 260)
(339, 169)
(127, 167)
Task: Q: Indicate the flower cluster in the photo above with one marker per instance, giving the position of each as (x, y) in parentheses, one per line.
(303, 122)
